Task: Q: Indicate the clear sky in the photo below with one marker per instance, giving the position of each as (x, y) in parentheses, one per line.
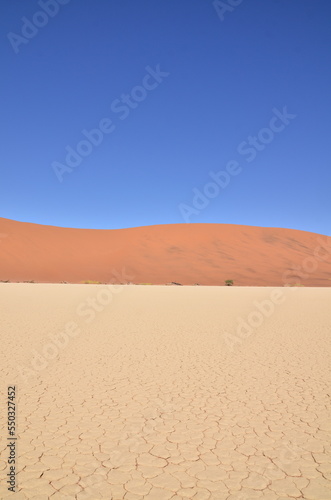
(176, 90)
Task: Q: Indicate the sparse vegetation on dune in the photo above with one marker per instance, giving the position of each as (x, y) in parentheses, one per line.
(228, 282)
(91, 282)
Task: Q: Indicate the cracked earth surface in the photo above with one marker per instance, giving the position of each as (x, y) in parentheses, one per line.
(149, 400)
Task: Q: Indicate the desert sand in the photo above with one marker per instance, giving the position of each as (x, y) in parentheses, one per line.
(207, 254)
(154, 392)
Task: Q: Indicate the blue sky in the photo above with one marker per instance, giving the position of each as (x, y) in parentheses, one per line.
(178, 87)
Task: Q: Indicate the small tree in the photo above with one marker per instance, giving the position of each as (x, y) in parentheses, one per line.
(229, 282)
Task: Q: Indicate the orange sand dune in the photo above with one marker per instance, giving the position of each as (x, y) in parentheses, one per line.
(207, 254)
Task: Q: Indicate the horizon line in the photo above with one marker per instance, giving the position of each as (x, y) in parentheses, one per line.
(161, 224)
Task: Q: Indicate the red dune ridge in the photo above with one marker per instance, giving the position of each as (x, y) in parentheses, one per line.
(205, 254)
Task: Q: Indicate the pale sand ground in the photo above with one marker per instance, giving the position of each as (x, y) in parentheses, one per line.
(149, 401)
